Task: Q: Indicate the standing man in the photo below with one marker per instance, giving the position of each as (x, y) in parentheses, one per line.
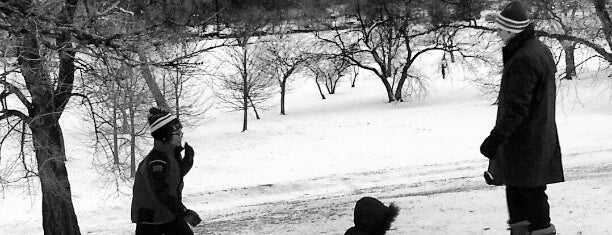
(523, 147)
(157, 206)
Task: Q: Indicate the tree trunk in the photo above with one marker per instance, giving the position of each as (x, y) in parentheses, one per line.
(49, 98)
(115, 88)
(570, 64)
(282, 101)
(604, 17)
(245, 91)
(45, 110)
(57, 208)
(132, 130)
(160, 100)
(355, 73)
(319, 86)
(254, 108)
(402, 80)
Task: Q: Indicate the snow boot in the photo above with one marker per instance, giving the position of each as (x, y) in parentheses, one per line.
(545, 231)
(519, 228)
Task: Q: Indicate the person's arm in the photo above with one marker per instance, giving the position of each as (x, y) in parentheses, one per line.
(158, 169)
(518, 96)
(187, 161)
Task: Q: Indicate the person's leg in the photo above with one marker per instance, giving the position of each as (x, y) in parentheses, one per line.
(515, 201)
(148, 229)
(178, 227)
(517, 220)
(537, 208)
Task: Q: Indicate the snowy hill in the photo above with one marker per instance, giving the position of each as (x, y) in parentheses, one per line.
(324, 154)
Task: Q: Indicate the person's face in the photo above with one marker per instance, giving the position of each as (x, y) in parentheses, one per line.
(177, 135)
(505, 35)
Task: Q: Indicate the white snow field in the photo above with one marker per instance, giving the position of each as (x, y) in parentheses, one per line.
(301, 173)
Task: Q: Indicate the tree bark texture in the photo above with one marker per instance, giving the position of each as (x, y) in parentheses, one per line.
(47, 105)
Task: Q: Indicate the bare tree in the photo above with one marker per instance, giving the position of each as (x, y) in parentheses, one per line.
(328, 70)
(51, 39)
(47, 99)
(285, 55)
(246, 85)
(568, 17)
(392, 34)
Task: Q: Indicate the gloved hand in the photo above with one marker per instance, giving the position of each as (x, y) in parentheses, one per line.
(188, 150)
(192, 218)
(491, 180)
(489, 146)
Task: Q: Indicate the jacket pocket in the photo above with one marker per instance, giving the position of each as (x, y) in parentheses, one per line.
(145, 215)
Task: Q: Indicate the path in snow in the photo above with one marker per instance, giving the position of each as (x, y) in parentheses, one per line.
(443, 198)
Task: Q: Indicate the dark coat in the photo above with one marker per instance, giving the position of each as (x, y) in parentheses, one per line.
(158, 185)
(530, 156)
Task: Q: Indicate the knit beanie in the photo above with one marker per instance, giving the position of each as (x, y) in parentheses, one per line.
(373, 217)
(158, 122)
(513, 18)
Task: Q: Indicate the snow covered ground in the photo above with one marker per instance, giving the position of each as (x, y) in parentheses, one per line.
(301, 173)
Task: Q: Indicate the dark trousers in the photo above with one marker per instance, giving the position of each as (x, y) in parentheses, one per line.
(529, 204)
(177, 227)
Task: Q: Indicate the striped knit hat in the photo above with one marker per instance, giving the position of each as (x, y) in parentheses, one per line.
(158, 118)
(513, 18)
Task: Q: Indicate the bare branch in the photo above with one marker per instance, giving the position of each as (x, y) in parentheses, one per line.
(4, 114)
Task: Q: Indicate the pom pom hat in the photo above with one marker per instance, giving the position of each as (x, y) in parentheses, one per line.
(158, 119)
(161, 121)
(513, 18)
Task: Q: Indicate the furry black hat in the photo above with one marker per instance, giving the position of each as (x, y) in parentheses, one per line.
(372, 217)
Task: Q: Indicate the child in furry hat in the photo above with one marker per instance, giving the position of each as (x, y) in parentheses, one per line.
(372, 217)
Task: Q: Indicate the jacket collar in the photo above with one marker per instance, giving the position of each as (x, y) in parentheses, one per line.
(170, 150)
(517, 42)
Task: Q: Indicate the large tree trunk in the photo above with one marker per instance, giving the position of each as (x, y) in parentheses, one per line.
(45, 109)
(57, 208)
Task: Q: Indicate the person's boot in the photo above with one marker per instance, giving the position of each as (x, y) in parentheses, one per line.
(545, 231)
(519, 228)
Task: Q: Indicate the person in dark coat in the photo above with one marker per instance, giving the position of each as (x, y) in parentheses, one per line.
(523, 147)
(372, 217)
(157, 206)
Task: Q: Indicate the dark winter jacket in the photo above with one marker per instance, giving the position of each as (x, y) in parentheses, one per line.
(372, 217)
(158, 185)
(530, 155)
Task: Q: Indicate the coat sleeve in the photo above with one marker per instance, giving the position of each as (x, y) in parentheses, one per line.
(521, 82)
(158, 168)
(186, 163)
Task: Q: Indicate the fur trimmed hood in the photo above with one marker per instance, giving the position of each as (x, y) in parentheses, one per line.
(372, 217)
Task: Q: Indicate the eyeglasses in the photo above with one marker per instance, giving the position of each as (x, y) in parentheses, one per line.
(177, 129)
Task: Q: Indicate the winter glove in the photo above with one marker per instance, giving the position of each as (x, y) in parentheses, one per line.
(188, 150)
(192, 218)
(489, 146)
(491, 180)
